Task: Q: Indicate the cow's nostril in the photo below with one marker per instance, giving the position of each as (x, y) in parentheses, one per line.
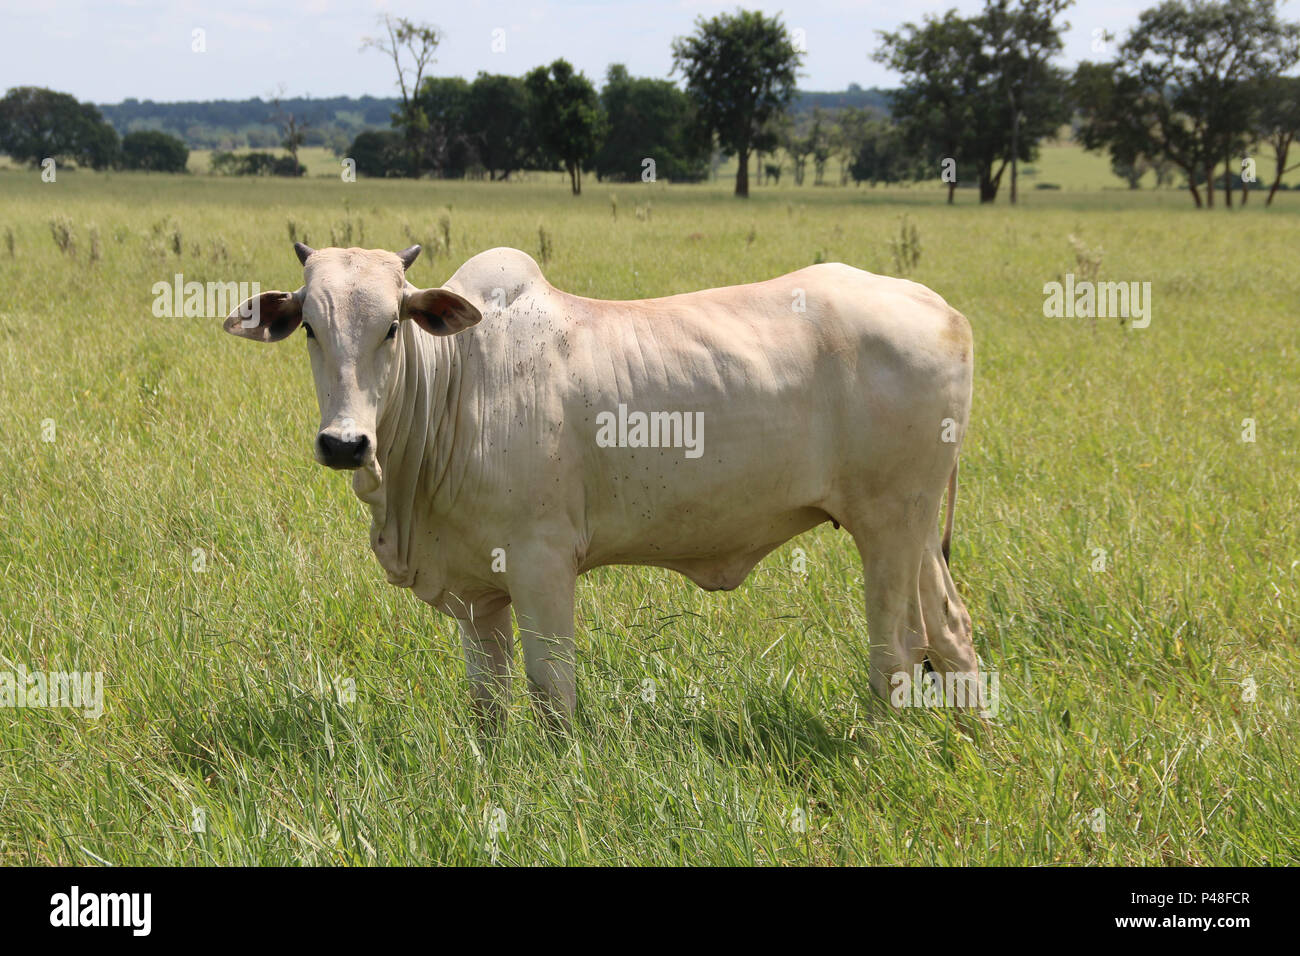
(338, 452)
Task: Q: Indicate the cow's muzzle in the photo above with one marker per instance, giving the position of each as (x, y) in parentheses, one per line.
(338, 451)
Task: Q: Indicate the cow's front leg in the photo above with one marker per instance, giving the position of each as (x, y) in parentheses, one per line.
(541, 589)
(488, 640)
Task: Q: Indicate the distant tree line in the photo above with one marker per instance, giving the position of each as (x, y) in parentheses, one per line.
(554, 118)
(498, 125)
(334, 122)
(331, 122)
(38, 124)
(979, 95)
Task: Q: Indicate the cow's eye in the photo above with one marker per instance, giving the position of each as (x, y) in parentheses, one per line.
(310, 333)
(392, 332)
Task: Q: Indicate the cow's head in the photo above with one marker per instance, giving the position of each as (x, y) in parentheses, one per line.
(351, 304)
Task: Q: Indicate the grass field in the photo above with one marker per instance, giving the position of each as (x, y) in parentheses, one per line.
(176, 535)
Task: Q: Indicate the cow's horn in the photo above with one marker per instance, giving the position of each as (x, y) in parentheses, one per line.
(303, 251)
(408, 256)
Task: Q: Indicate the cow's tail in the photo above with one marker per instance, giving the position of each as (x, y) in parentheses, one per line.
(952, 507)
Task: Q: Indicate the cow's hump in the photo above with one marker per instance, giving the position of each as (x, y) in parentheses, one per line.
(497, 276)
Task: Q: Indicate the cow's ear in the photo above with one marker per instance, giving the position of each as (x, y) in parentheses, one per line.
(268, 317)
(439, 311)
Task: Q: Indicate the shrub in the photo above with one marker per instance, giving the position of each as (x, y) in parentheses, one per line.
(906, 248)
(255, 164)
(378, 153)
(153, 151)
(64, 236)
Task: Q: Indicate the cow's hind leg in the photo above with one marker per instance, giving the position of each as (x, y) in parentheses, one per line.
(947, 622)
(488, 641)
(948, 632)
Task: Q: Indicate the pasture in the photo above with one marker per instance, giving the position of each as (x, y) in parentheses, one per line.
(269, 699)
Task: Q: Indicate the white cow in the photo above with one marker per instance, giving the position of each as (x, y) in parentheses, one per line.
(508, 437)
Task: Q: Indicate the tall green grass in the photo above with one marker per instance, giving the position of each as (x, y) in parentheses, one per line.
(228, 688)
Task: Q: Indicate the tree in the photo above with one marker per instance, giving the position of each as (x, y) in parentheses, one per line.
(566, 115)
(1023, 39)
(883, 155)
(1185, 85)
(1279, 124)
(36, 123)
(649, 119)
(378, 153)
(850, 134)
(155, 151)
(1163, 169)
(1115, 117)
(1121, 116)
(1131, 170)
(417, 42)
(337, 142)
(940, 62)
(443, 140)
(740, 71)
(293, 129)
(1207, 55)
(978, 92)
(502, 131)
(798, 147)
(98, 142)
(819, 141)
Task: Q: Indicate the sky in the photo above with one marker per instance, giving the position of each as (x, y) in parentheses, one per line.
(105, 51)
